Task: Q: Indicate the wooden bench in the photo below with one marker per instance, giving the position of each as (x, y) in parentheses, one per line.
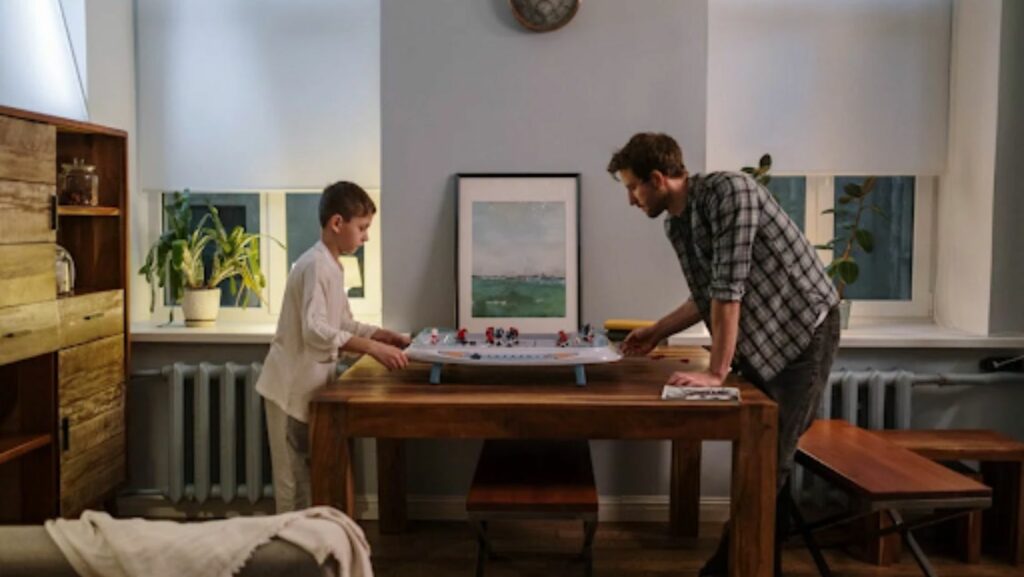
(532, 479)
(1001, 460)
(882, 477)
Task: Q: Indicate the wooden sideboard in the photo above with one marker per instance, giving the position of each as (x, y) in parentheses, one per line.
(63, 358)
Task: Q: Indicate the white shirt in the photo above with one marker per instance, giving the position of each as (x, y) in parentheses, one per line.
(315, 322)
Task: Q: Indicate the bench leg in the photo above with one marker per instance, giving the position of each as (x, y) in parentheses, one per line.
(589, 529)
(880, 550)
(1004, 521)
(915, 549)
(812, 544)
(483, 551)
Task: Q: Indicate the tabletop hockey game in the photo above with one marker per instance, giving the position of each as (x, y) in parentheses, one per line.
(498, 346)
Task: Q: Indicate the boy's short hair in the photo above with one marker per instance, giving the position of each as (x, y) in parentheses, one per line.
(646, 152)
(347, 199)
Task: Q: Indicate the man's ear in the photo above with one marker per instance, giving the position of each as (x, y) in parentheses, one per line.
(657, 178)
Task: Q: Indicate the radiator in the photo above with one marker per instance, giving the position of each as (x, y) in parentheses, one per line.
(227, 430)
(869, 399)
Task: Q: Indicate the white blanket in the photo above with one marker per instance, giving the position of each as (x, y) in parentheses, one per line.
(97, 545)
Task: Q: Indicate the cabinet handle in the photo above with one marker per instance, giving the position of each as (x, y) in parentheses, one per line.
(93, 316)
(16, 334)
(54, 221)
(65, 437)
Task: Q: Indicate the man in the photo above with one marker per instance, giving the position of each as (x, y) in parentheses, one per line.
(754, 279)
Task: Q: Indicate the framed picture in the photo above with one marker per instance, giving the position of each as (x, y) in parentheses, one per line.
(517, 261)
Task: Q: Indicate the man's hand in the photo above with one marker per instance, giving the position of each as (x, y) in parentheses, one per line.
(391, 338)
(391, 357)
(698, 379)
(639, 342)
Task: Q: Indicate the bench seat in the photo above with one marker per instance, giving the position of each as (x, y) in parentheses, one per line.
(533, 479)
(1001, 460)
(881, 476)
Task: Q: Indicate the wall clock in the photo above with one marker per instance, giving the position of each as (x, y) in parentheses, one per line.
(544, 15)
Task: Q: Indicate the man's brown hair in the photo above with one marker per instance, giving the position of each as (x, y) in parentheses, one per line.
(646, 152)
(347, 199)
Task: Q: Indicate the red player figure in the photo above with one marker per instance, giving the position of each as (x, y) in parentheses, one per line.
(433, 336)
(460, 337)
(489, 335)
(563, 339)
(513, 334)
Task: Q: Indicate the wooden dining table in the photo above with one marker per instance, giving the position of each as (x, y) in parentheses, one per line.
(620, 401)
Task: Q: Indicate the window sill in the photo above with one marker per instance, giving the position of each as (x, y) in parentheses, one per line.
(890, 333)
(225, 332)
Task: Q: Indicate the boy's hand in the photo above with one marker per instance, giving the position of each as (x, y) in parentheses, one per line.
(639, 342)
(391, 338)
(391, 357)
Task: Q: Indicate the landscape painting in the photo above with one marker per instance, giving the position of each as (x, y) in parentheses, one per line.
(518, 259)
(518, 252)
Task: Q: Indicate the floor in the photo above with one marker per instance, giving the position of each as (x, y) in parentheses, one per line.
(543, 548)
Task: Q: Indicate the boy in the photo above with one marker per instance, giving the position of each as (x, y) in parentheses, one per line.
(315, 325)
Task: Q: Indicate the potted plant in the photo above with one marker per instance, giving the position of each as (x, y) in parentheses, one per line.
(175, 261)
(852, 237)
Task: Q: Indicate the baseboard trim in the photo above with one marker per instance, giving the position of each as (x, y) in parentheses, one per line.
(633, 508)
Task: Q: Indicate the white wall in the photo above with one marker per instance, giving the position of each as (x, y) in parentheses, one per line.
(37, 64)
(258, 93)
(965, 200)
(466, 89)
(858, 86)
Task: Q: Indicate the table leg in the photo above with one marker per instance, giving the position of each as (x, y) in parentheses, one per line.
(684, 494)
(331, 460)
(754, 464)
(391, 485)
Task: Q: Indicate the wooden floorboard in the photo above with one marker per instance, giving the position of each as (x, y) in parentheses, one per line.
(542, 548)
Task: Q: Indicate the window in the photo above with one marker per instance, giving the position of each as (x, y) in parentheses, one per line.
(292, 218)
(791, 192)
(895, 279)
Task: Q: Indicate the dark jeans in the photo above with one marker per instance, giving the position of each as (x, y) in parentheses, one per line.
(797, 390)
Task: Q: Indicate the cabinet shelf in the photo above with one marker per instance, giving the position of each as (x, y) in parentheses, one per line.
(13, 446)
(68, 210)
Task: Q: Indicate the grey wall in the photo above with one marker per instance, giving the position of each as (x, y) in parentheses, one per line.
(1007, 263)
(465, 89)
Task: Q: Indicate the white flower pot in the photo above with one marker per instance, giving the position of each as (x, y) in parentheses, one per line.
(844, 314)
(201, 307)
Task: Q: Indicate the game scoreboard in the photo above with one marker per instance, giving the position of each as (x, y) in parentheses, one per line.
(507, 347)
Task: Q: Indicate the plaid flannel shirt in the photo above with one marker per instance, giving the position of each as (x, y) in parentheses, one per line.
(735, 243)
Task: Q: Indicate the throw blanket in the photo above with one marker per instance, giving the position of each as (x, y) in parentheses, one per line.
(97, 545)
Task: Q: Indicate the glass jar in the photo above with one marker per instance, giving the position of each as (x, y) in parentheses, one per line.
(79, 183)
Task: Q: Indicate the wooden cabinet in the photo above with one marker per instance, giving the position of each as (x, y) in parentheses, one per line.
(63, 360)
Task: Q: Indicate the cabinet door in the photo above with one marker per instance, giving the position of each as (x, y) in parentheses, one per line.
(91, 410)
(28, 151)
(27, 331)
(89, 317)
(27, 274)
(28, 212)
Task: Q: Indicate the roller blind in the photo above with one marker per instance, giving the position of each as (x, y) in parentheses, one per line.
(855, 86)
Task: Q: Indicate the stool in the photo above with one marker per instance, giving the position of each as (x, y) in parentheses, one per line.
(532, 479)
(1002, 467)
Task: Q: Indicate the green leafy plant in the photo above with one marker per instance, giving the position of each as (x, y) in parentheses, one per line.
(760, 174)
(175, 260)
(853, 203)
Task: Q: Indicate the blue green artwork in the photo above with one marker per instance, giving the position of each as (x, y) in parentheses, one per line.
(519, 259)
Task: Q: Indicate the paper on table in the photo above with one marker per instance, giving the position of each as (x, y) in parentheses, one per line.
(669, 392)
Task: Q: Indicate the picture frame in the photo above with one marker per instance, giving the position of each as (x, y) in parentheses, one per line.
(517, 251)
